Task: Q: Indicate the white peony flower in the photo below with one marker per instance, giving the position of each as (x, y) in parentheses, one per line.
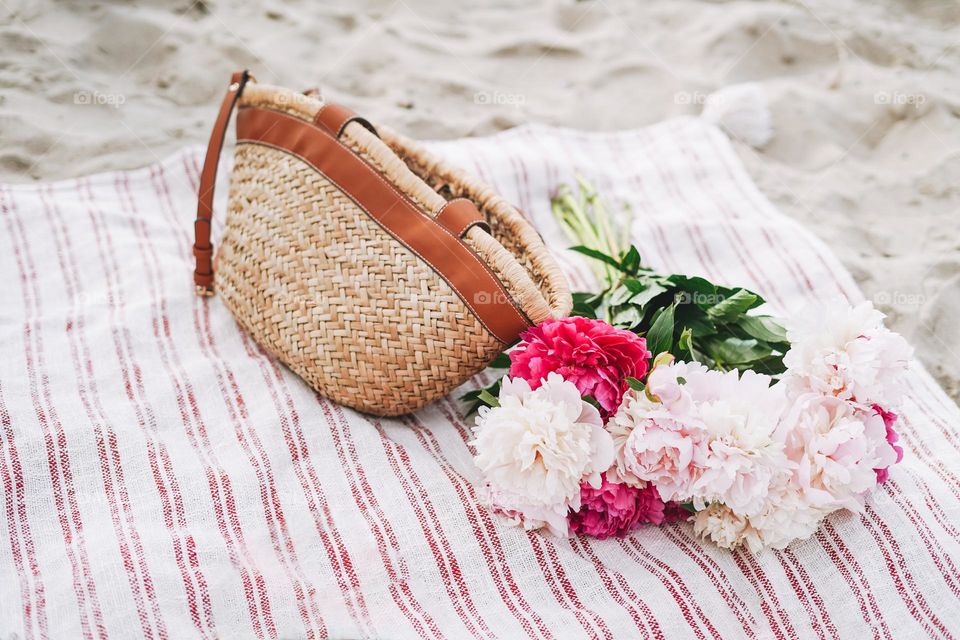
(785, 517)
(725, 528)
(536, 448)
(739, 414)
(846, 352)
(521, 513)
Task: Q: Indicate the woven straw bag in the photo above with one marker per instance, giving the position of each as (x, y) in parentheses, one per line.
(378, 273)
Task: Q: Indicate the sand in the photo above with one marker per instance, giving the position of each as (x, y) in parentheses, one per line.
(866, 147)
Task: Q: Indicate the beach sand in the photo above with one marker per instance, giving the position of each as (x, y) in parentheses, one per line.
(865, 99)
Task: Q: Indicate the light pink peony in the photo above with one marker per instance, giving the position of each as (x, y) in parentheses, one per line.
(739, 414)
(657, 434)
(847, 353)
(530, 515)
(889, 420)
(592, 354)
(834, 447)
(699, 435)
(614, 509)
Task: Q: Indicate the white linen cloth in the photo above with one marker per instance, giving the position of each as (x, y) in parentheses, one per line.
(163, 478)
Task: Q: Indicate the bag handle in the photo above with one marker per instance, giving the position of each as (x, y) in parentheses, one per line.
(333, 117)
(202, 248)
(458, 216)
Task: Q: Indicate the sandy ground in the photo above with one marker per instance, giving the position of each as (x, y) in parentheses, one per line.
(865, 97)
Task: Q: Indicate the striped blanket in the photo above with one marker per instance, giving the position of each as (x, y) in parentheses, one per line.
(163, 478)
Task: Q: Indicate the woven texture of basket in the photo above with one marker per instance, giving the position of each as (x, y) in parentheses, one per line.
(359, 316)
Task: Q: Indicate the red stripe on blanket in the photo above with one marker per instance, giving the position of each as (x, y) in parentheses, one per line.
(55, 438)
(164, 477)
(138, 575)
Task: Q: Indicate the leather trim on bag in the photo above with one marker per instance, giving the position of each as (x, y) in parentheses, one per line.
(335, 117)
(459, 216)
(447, 255)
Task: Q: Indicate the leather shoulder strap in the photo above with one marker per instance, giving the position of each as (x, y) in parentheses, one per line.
(202, 248)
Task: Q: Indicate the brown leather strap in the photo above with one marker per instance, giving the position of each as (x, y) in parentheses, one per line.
(456, 263)
(202, 249)
(335, 117)
(460, 215)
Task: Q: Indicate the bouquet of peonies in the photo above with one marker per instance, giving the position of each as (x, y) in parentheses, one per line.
(668, 398)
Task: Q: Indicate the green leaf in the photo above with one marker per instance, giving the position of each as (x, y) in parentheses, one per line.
(735, 351)
(703, 358)
(584, 310)
(591, 400)
(765, 328)
(650, 292)
(585, 304)
(597, 255)
(660, 335)
(733, 306)
(694, 284)
(588, 297)
(597, 299)
(619, 296)
(630, 261)
(771, 366)
(634, 384)
(482, 397)
(727, 292)
(502, 361)
(636, 285)
(685, 343)
(471, 395)
(695, 318)
(488, 398)
(627, 317)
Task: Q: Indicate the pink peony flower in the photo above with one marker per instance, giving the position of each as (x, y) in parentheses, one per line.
(614, 509)
(889, 419)
(595, 356)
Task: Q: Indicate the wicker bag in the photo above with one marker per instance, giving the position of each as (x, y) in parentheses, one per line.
(381, 275)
